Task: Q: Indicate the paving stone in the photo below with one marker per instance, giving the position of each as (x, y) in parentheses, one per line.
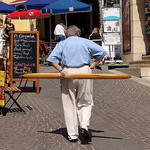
(120, 118)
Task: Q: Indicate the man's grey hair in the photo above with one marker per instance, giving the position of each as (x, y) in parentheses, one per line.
(73, 30)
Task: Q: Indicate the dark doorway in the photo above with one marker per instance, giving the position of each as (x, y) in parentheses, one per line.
(47, 27)
(95, 12)
(81, 20)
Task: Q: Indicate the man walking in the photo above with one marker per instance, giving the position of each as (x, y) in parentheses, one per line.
(75, 56)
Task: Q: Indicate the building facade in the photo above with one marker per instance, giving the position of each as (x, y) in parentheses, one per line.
(20, 25)
(135, 41)
(140, 41)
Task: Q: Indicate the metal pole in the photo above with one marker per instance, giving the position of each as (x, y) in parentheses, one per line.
(110, 53)
(66, 19)
(91, 21)
(50, 36)
(113, 53)
(30, 24)
(100, 16)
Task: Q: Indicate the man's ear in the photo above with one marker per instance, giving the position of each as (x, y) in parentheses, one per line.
(79, 34)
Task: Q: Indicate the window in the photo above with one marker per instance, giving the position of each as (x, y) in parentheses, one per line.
(111, 3)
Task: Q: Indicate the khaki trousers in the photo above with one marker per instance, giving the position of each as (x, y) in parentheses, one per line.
(77, 100)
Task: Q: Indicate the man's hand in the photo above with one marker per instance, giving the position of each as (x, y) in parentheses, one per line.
(63, 74)
(92, 66)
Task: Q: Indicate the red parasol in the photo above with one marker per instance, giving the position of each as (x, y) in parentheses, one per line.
(31, 14)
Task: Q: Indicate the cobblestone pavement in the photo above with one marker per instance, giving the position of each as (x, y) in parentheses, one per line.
(120, 118)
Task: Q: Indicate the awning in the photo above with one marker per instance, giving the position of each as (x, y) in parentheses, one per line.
(66, 6)
(37, 4)
(5, 8)
(17, 2)
(31, 14)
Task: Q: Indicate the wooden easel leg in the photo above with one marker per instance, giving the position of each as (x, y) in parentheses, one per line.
(33, 85)
(37, 86)
(11, 85)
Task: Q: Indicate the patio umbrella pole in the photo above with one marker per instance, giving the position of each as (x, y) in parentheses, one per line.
(30, 23)
(66, 20)
(50, 33)
(91, 21)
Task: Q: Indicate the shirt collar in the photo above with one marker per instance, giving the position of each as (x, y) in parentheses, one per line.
(72, 36)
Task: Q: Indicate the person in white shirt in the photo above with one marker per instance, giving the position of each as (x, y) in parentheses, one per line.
(60, 30)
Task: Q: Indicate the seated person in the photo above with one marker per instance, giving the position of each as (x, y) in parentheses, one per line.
(95, 34)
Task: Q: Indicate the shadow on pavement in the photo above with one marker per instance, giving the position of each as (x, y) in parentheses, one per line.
(6, 110)
(107, 137)
(63, 131)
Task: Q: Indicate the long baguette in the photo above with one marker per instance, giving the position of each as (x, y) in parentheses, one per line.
(76, 76)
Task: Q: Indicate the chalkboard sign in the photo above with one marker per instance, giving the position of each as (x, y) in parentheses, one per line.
(24, 52)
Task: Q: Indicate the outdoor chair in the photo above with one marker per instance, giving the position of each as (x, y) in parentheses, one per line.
(45, 50)
(12, 91)
(42, 56)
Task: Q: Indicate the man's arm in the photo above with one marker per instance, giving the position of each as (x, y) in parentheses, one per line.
(54, 37)
(59, 68)
(96, 51)
(56, 66)
(93, 65)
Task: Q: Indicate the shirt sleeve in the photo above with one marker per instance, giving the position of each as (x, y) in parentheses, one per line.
(56, 54)
(96, 50)
(55, 29)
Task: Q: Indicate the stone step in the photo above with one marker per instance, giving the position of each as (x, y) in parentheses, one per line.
(112, 66)
(131, 71)
(140, 63)
(143, 72)
(147, 57)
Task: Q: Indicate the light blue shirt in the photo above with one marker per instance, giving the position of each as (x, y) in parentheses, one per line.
(76, 51)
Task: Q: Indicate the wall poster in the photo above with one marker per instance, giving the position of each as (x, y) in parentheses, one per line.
(111, 26)
(126, 26)
(111, 38)
(111, 13)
